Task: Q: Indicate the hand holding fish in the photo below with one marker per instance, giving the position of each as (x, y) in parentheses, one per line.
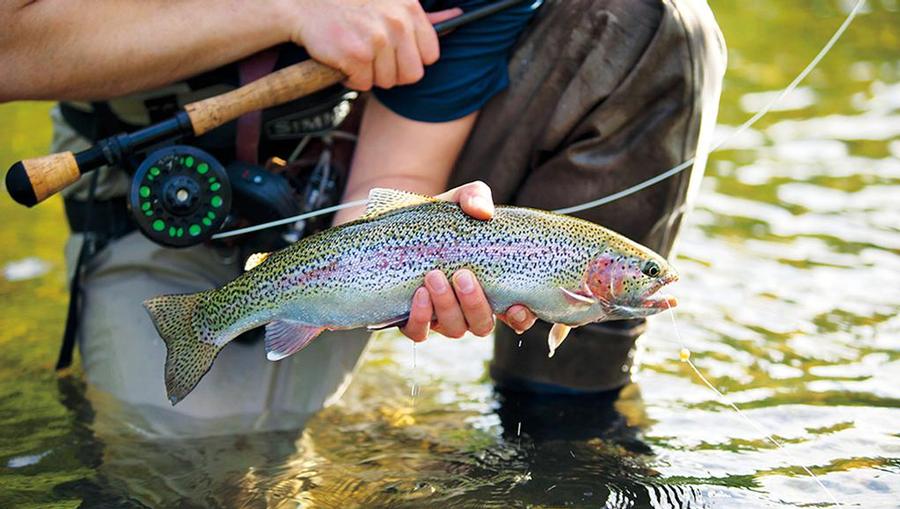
(451, 310)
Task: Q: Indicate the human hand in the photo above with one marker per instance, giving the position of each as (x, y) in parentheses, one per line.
(373, 42)
(461, 306)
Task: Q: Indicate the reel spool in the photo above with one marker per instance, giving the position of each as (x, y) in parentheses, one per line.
(180, 196)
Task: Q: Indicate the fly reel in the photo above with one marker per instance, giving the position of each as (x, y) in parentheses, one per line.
(180, 196)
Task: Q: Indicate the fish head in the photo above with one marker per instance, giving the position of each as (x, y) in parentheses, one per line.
(625, 280)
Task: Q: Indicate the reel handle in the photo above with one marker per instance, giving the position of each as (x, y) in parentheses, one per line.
(277, 88)
(31, 181)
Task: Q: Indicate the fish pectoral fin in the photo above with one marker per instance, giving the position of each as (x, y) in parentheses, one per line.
(557, 335)
(255, 259)
(579, 298)
(383, 200)
(287, 337)
(396, 322)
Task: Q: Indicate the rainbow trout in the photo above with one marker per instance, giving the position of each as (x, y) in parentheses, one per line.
(363, 274)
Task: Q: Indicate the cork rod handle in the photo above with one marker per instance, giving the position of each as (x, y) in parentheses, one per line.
(31, 181)
(273, 89)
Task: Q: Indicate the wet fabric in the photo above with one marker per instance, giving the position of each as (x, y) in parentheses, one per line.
(604, 94)
(471, 70)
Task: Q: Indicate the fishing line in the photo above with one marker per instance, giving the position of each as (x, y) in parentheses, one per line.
(414, 390)
(288, 220)
(630, 190)
(685, 356)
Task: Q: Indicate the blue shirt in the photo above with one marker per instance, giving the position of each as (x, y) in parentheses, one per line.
(472, 67)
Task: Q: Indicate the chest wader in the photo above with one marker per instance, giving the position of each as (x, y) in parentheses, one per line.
(603, 94)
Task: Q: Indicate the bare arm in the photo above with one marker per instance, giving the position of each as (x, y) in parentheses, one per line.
(97, 49)
(91, 49)
(400, 153)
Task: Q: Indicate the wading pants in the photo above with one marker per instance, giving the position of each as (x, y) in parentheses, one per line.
(603, 94)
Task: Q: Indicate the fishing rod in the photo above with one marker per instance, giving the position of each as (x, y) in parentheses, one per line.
(181, 190)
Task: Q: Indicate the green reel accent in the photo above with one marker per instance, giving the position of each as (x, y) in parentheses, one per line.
(180, 196)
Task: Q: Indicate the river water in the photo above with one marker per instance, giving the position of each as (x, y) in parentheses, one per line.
(789, 296)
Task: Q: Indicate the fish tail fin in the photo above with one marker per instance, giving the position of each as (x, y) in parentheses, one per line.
(188, 357)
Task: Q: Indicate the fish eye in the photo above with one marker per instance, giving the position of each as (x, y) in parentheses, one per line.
(650, 268)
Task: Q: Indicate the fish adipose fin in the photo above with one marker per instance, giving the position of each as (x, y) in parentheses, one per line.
(188, 358)
(255, 259)
(287, 337)
(557, 335)
(383, 200)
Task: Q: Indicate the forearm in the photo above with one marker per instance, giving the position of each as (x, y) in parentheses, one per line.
(399, 153)
(94, 49)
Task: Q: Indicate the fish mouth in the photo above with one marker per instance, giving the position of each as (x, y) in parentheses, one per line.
(647, 303)
(661, 302)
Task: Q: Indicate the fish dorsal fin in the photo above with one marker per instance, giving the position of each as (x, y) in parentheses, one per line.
(255, 259)
(383, 200)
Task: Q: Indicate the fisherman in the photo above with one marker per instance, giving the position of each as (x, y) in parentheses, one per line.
(549, 106)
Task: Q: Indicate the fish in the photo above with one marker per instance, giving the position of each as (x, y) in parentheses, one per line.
(566, 270)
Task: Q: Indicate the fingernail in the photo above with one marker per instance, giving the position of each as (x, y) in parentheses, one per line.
(420, 298)
(519, 315)
(465, 282)
(437, 282)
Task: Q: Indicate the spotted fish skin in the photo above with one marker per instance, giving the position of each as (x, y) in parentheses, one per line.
(363, 273)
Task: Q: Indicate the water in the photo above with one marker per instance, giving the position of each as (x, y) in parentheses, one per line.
(789, 300)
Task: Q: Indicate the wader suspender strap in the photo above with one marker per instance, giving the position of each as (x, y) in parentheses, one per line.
(248, 126)
(89, 246)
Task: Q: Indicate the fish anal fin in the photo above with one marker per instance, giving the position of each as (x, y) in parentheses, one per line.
(255, 259)
(287, 337)
(383, 200)
(557, 335)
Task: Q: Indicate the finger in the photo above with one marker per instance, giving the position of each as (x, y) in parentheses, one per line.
(474, 304)
(519, 318)
(359, 76)
(409, 62)
(420, 314)
(427, 38)
(449, 315)
(439, 16)
(357, 65)
(361, 82)
(474, 198)
(386, 67)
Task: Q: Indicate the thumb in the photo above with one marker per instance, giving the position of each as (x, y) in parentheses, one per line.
(439, 16)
